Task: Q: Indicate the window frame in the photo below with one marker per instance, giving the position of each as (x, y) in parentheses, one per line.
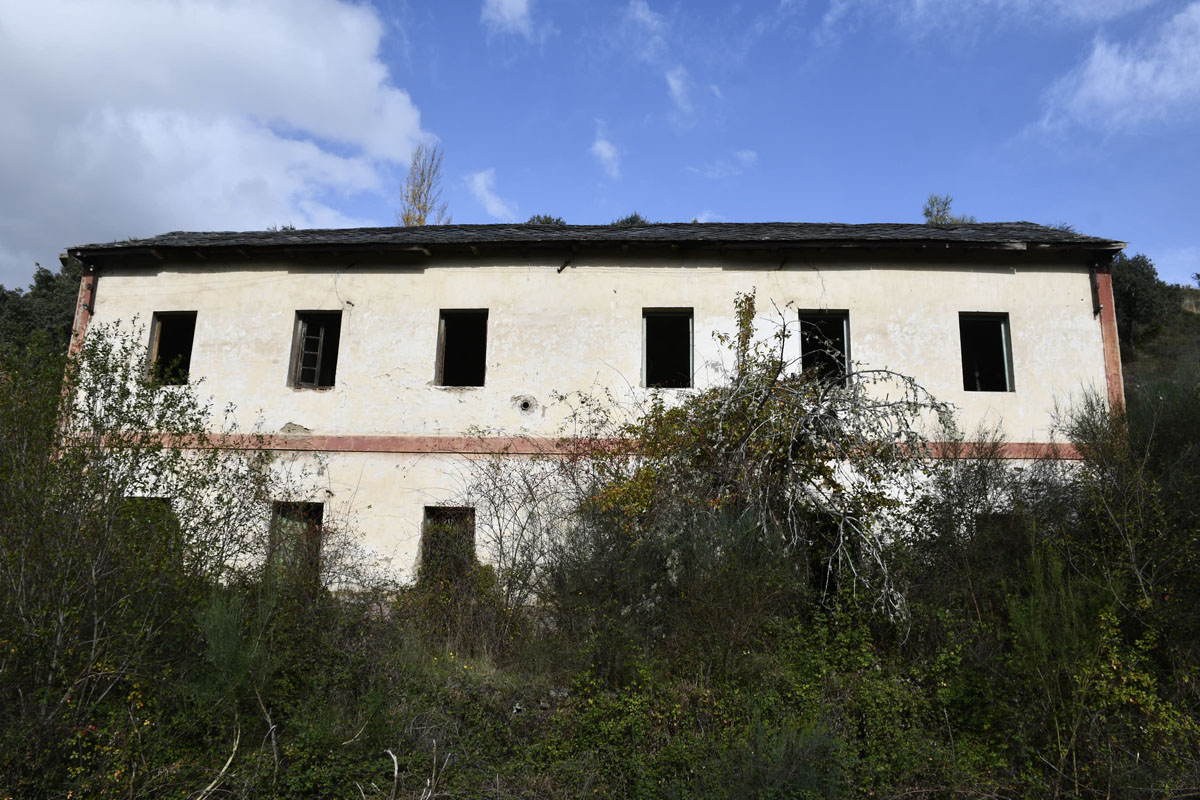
(303, 318)
(153, 366)
(669, 311)
(309, 572)
(439, 364)
(453, 567)
(842, 314)
(1005, 321)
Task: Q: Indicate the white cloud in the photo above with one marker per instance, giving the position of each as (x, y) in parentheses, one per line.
(708, 215)
(677, 85)
(638, 12)
(508, 16)
(644, 35)
(607, 154)
(1124, 87)
(132, 118)
(483, 188)
(1073, 10)
(740, 161)
(922, 16)
(647, 29)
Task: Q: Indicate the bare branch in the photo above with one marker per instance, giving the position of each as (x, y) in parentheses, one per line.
(421, 202)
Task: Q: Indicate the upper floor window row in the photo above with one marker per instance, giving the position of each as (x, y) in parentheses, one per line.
(667, 348)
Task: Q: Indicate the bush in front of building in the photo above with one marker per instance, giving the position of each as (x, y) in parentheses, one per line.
(718, 616)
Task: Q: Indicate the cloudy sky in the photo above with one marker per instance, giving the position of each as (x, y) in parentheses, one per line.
(124, 118)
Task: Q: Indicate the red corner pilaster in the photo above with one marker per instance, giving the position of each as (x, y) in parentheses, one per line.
(84, 308)
(1112, 345)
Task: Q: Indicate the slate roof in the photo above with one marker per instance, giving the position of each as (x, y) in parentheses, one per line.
(701, 233)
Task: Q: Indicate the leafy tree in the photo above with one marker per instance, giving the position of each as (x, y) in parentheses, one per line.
(630, 221)
(1143, 302)
(46, 307)
(545, 219)
(421, 203)
(937, 212)
(101, 572)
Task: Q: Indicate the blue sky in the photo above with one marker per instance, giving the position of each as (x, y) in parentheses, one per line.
(134, 117)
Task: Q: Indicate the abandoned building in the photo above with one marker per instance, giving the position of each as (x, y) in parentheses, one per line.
(383, 351)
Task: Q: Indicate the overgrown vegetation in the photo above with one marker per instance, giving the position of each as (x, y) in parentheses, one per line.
(46, 308)
(937, 211)
(631, 220)
(779, 596)
(545, 219)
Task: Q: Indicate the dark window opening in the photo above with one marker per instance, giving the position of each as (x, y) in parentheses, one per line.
(294, 545)
(156, 525)
(994, 558)
(667, 338)
(986, 354)
(315, 351)
(462, 347)
(825, 343)
(447, 544)
(172, 334)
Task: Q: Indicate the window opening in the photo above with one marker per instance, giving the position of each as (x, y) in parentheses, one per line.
(825, 343)
(462, 347)
(294, 545)
(171, 338)
(986, 352)
(667, 346)
(156, 525)
(315, 352)
(447, 544)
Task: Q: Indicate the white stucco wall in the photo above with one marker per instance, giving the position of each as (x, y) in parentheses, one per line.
(551, 332)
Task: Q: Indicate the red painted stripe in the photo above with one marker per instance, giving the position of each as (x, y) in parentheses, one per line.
(536, 445)
(1008, 450)
(462, 445)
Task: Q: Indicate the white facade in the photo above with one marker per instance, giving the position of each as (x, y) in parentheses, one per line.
(383, 427)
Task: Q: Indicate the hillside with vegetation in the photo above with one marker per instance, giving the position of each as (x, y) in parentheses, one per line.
(730, 614)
